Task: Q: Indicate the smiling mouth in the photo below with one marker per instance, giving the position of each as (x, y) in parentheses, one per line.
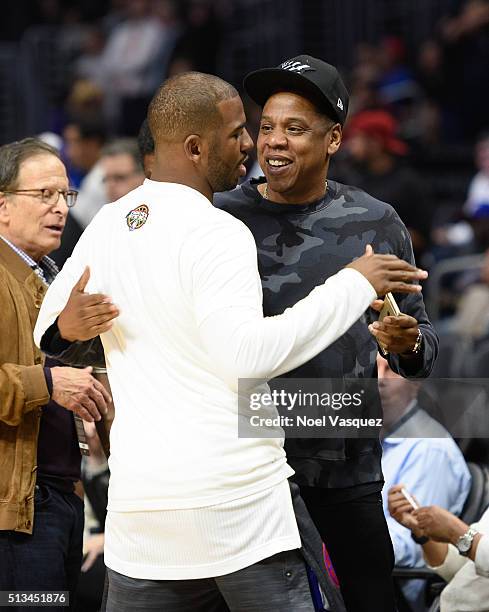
(278, 163)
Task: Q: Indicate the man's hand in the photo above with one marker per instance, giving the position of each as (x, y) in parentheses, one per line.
(401, 510)
(92, 548)
(86, 316)
(78, 391)
(397, 334)
(388, 273)
(439, 524)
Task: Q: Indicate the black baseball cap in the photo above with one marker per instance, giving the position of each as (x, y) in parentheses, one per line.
(317, 80)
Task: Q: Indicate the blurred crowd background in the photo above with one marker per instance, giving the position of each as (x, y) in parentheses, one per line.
(96, 63)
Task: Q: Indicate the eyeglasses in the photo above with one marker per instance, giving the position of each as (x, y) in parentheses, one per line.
(50, 196)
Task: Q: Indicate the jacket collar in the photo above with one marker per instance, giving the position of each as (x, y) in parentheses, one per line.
(14, 263)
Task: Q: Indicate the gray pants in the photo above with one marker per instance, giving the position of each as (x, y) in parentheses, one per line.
(276, 584)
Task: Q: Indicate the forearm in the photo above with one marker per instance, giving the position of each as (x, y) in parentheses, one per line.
(77, 354)
(244, 344)
(22, 388)
(435, 553)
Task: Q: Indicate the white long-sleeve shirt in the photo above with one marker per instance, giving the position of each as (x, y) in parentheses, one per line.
(191, 324)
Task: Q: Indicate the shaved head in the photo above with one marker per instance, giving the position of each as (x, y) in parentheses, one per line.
(187, 104)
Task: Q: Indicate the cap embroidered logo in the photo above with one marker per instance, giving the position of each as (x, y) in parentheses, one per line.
(339, 104)
(296, 67)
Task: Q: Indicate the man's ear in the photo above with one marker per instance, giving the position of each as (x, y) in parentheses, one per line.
(335, 135)
(4, 215)
(193, 147)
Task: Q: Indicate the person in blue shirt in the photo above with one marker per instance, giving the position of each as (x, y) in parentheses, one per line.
(420, 454)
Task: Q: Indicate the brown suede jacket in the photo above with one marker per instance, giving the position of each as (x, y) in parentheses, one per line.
(23, 389)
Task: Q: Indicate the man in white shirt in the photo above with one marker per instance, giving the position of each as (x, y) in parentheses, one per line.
(198, 517)
(458, 552)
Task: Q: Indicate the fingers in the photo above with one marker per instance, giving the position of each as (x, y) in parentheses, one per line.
(89, 560)
(82, 412)
(87, 402)
(99, 400)
(402, 321)
(377, 305)
(389, 340)
(400, 287)
(406, 275)
(369, 250)
(397, 505)
(94, 299)
(101, 389)
(391, 262)
(101, 318)
(83, 280)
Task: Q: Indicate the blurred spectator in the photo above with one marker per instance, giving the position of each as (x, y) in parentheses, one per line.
(396, 83)
(89, 65)
(146, 146)
(121, 167)
(85, 99)
(364, 76)
(473, 230)
(465, 43)
(477, 204)
(430, 70)
(134, 47)
(419, 453)
(84, 138)
(471, 320)
(378, 168)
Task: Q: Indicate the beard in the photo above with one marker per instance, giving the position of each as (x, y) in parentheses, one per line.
(222, 176)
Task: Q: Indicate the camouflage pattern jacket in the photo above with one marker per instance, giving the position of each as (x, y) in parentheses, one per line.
(299, 247)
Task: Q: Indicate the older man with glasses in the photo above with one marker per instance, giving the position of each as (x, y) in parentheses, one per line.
(41, 517)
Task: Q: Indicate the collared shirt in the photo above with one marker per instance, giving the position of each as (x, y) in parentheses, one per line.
(432, 468)
(46, 269)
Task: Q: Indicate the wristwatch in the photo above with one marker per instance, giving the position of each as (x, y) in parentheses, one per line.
(464, 543)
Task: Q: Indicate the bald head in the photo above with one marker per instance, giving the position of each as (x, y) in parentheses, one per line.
(187, 104)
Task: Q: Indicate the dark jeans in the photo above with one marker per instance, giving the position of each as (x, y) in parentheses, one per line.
(276, 584)
(358, 541)
(50, 558)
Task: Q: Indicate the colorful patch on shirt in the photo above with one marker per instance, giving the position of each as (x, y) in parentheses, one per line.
(137, 217)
